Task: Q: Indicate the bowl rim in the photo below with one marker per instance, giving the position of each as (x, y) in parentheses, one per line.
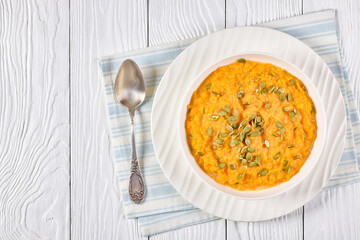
(310, 161)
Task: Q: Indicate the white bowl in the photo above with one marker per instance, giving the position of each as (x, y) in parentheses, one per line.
(309, 163)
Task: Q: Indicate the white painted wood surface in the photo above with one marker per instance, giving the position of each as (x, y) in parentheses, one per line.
(34, 120)
(98, 28)
(53, 118)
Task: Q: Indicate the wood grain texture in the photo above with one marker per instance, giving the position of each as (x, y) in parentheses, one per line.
(212, 230)
(34, 120)
(287, 227)
(334, 214)
(98, 28)
(175, 20)
(242, 13)
(250, 12)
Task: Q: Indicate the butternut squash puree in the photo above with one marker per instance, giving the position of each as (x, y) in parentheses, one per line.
(219, 92)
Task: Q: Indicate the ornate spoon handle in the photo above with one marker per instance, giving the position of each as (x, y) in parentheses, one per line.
(136, 182)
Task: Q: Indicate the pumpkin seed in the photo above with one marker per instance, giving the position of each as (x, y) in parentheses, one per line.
(229, 128)
(209, 132)
(249, 156)
(215, 93)
(246, 103)
(277, 155)
(282, 130)
(252, 117)
(247, 141)
(285, 163)
(264, 91)
(219, 141)
(282, 97)
(232, 119)
(262, 84)
(251, 149)
(292, 113)
(246, 129)
(234, 142)
(241, 60)
(291, 146)
(258, 119)
(279, 124)
(258, 159)
(234, 125)
(235, 112)
(313, 110)
(208, 86)
(242, 136)
(263, 172)
(235, 135)
(275, 135)
(267, 143)
(240, 176)
(289, 169)
(227, 109)
(268, 105)
(255, 134)
(200, 153)
(222, 113)
(188, 111)
(293, 118)
(271, 88)
(244, 162)
(238, 149)
(252, 164)
(221, 165)
(282, 137)
(240, 93)
(296, 111)
(244, 149)
(214, 147)
(213, 117)
(191, 136)
(281, 90)
(286, 108)
(297, 157)
(232, 166)
(222, 135)
(242, 155)
(292, 82)
(243, 123)
(289, 97)
(269, 73)
(276, 88)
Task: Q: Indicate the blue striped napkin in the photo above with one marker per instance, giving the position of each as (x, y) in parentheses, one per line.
(164, 209)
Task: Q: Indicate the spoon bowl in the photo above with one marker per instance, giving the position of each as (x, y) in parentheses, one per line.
(129, 85)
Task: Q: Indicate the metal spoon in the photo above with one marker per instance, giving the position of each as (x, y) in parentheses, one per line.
(130, 92)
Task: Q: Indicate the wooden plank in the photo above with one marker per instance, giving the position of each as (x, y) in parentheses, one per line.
(247, 12)
(34, 120)
(250, 12)
(98, 28)
(211, 230)
(334, 214)
(287, 227)
(175, 20)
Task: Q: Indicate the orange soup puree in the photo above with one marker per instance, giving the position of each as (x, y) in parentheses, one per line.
(251, 125)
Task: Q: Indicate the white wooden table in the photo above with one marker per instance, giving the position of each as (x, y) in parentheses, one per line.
(56, 174)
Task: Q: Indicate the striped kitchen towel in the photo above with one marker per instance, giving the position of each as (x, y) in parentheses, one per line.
(164, 209)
